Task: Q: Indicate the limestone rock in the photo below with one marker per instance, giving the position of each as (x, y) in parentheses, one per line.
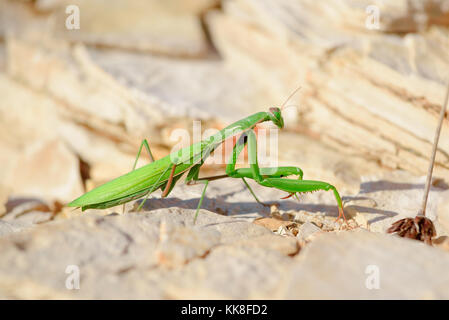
(75, 105)
(2, 58)
(272, 223)
(124, 251)
(178, 245)
(172, 28)
(307, 231)
(443, 211)
(48, 170)
(364, 265)
(198, 89)
(368, 94)
(28, 117)
(67, 73)
(215, 278)
(30, 211)
(441, 243)
(323, 163)
(7, 227)
(4, 194)
(386, 198)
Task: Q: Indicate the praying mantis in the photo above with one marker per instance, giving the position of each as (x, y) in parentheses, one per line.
(164, 173)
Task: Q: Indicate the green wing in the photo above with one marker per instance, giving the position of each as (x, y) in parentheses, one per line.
(137, 183)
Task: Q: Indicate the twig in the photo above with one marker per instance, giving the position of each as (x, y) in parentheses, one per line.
(420, 227)
(434, 151)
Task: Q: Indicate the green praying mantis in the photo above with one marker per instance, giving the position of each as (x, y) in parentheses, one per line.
(165, 172)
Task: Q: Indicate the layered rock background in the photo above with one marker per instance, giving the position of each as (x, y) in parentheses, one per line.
(75, 105)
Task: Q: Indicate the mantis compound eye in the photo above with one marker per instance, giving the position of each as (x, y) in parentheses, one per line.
(274, 110)
(276, 117)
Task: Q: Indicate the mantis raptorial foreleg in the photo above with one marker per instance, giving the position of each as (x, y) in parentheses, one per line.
(273, 172)
(275, 180)
(278, 172)
(231, 172)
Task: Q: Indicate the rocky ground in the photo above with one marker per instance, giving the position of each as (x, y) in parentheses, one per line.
(76, 103)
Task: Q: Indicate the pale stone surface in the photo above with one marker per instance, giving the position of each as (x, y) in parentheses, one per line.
(47, 170)
(368, 104)
(25, 118)
(124, 252)
(2, 57)
(443, 211)
(272, 224)
(7, 227)
(91, 96)
(308, 231)
(204, 89)
(384, 199)
(364, 265)
(442, 243)
(26, 211)
(160, 254)
(368, 94)
(324, 163)
(218, 276)
(172, 28)
(28, 117)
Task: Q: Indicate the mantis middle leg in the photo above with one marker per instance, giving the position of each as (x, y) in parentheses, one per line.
(147, 146)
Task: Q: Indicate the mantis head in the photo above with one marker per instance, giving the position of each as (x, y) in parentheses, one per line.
(275, 113)
(276, 117)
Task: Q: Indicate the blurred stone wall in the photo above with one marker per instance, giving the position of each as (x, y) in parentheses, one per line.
(372, 77)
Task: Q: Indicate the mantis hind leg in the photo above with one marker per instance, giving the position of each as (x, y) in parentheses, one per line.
(304, 186)
(150, 154)
(145, 144)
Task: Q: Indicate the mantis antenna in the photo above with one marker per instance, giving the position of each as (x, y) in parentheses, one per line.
(289, 97)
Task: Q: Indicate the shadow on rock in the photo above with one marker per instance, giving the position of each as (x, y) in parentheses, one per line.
(239, 208)
(384, 185)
